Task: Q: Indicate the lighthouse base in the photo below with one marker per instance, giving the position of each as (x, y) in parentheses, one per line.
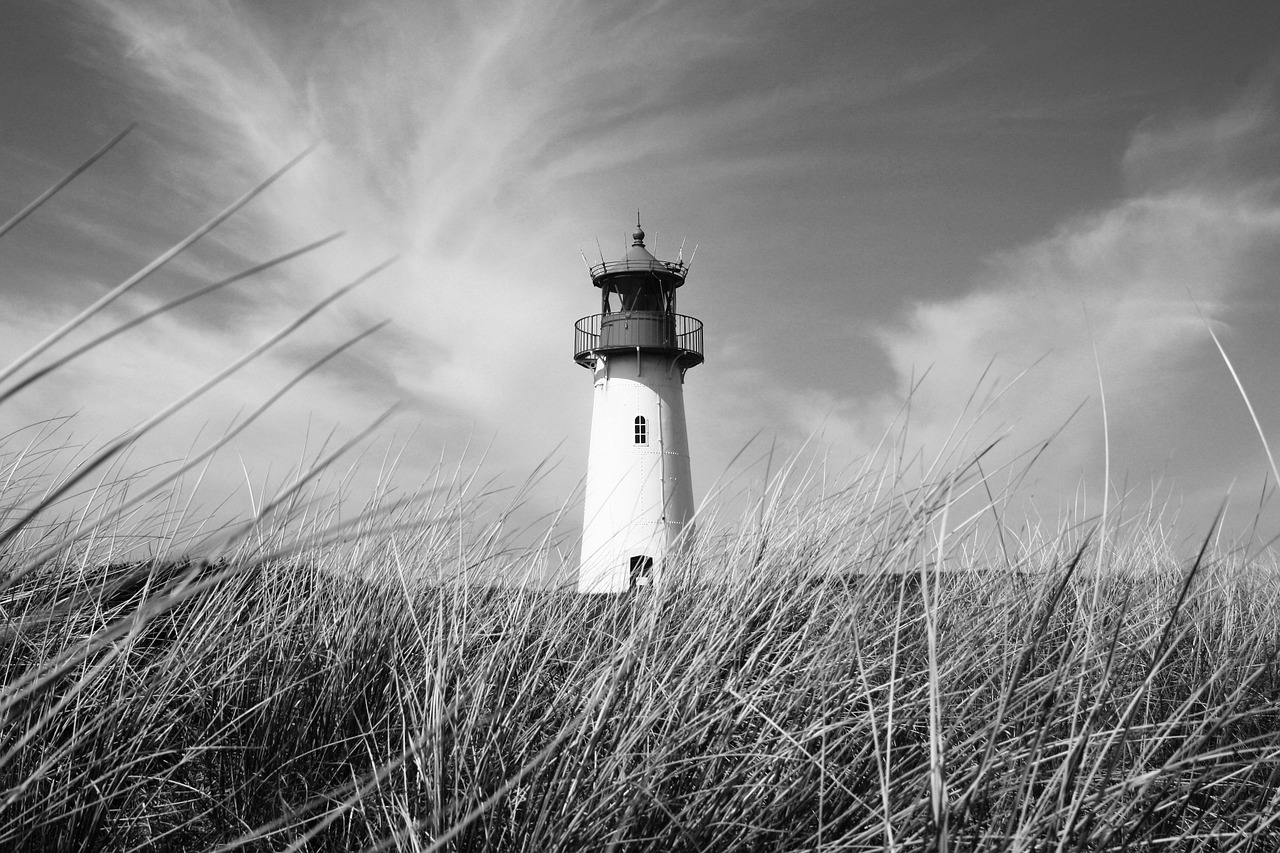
(628, 556)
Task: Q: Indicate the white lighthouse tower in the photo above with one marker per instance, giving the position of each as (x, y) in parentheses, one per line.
(639, 496)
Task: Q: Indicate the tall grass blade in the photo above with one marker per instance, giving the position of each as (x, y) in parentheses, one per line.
(36, 203)
(126, 285)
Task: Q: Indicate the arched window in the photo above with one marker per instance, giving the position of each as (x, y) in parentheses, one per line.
(642, 430)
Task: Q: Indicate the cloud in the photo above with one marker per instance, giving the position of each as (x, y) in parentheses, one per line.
(1234, 149)
(458, 138)
(1110, 304)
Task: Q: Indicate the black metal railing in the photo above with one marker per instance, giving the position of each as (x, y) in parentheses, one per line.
(677, 268)
(678, 334)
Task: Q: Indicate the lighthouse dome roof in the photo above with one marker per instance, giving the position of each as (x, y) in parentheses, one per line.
(637, 251)
(639, 259)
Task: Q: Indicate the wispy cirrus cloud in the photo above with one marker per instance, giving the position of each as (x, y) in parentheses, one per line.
(460, 139)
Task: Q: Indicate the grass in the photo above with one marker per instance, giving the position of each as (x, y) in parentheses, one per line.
(849, 666)
(285, 702)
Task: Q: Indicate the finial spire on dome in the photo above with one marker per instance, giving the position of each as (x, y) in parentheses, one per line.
(637, 239)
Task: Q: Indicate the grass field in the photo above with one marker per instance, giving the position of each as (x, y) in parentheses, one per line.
(828, 675)
(839, 670)
(283, 703)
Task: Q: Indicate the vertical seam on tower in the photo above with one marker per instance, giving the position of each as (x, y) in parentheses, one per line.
(662, 466)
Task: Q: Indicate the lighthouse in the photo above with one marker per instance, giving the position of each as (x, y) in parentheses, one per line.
(639, 495)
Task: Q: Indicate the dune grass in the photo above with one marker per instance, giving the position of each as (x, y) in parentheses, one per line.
(843, 667)
(307, 703)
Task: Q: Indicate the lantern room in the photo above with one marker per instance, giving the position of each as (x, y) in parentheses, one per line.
(638, 309)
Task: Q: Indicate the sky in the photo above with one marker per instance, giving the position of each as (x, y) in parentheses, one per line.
(948, 223)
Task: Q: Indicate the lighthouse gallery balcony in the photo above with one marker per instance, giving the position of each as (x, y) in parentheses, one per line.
(659, 331)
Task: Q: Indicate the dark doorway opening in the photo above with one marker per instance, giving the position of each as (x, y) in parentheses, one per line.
(641, 570)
